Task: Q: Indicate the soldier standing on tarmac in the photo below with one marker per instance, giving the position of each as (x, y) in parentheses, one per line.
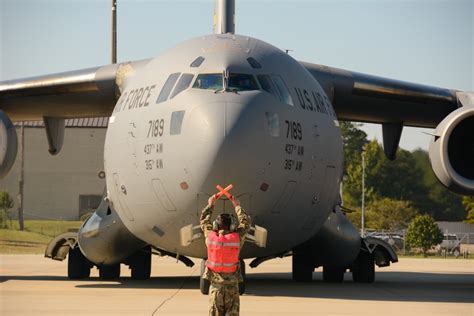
(224, 242)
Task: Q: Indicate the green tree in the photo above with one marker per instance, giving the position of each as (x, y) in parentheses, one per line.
(468, 202)
(423, 233)
(352, 187)
(438, 201)
(391, 215)
(6, 203)
(354, 140)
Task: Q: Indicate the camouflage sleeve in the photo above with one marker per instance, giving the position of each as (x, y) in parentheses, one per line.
(244, 222)
(205, 221)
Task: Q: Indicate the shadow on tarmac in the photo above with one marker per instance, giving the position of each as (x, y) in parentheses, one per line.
(388, 286)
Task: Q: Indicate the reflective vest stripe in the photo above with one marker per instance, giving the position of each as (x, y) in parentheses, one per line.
(223, 244)
(215, 264)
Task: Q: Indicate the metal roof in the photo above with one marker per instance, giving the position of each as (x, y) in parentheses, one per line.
(101, 122)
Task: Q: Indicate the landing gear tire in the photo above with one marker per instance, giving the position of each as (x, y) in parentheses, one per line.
(333, 274)
(203, 283)
(77, 265)
(141, 264)
(242, 284)
(363, 270)
(109, 272)
(302, 269)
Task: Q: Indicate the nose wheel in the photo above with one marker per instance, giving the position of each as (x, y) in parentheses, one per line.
(302, 267)
(204, 284)
(244, 276)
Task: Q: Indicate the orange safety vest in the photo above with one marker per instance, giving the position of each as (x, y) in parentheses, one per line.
(223, 252)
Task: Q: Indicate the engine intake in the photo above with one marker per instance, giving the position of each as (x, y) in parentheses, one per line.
(452, 151)
(8, 144)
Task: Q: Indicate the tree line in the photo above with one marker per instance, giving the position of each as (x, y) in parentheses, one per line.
(395, 191)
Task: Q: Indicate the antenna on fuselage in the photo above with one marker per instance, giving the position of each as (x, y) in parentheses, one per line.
(224, 17)
(114, 32)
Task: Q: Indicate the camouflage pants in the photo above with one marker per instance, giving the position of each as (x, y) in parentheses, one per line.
(224, 299)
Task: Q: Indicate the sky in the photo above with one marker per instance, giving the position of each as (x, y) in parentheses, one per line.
(423, 41)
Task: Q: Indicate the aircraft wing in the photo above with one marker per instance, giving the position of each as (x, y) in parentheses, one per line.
(365, 98)
(394, 104)
(89, 92)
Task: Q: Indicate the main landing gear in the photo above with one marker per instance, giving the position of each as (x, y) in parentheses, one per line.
(79, 267)
(363, 269)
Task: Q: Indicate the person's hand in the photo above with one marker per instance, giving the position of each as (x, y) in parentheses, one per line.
(212, 200)
(235, 201)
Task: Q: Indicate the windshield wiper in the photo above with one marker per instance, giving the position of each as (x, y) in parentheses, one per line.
(225, 83)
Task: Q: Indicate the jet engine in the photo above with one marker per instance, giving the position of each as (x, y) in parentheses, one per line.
(8, 144)
(452, 151)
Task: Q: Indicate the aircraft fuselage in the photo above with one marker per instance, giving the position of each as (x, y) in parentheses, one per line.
(166, 151)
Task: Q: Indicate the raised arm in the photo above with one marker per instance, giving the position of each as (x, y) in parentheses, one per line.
(205, 220)
(244, 220)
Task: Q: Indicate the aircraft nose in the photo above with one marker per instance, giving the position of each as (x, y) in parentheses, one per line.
(221, 144)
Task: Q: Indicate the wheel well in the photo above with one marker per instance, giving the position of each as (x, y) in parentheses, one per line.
(382, 251)
(58, 247)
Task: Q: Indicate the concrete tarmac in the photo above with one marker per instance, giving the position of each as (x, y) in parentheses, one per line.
(33, 285)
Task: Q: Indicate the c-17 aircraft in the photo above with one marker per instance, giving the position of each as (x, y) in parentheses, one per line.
(230, 109)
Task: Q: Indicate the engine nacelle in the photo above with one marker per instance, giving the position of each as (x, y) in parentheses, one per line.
(452, 151)
(8, 144)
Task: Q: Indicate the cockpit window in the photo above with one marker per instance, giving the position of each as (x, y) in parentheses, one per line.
(182, 84)
(242, 82)
(166, 90)
(208, 82)
(254, 63)
(237, 82)
(267, 85)
(285, 95)
(277, 87)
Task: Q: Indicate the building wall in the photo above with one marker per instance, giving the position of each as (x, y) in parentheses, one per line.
(456, 227)
(53, 184)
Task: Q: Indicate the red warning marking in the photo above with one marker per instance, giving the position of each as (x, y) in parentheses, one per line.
(224, 192)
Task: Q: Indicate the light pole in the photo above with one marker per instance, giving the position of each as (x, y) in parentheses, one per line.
(363, 195)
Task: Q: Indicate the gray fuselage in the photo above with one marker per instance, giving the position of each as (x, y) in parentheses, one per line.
(164, 159)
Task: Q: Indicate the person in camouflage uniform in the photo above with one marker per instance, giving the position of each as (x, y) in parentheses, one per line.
(224, 289)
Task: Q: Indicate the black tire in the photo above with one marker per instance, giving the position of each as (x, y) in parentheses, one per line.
(363, 270)
(77, 265)
(203, 283)
(302, 269)
(140, 264)
(244, 276)
(333, 274)
(109, 272)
